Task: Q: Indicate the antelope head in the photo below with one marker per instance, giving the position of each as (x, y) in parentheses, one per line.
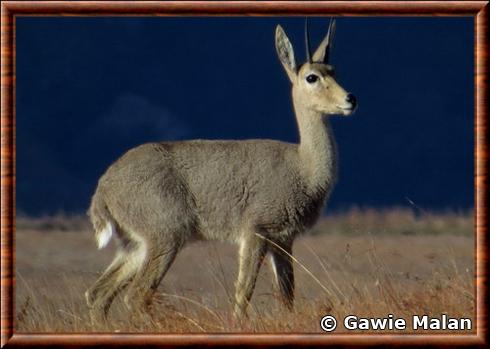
(313, 84)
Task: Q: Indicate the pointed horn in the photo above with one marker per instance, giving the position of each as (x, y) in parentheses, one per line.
(331, 32)
(322, 52)
(307, 42)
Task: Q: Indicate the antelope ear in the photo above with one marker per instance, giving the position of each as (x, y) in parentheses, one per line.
(322, 53)
(285, 52)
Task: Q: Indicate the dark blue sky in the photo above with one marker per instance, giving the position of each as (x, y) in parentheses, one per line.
(90, 88)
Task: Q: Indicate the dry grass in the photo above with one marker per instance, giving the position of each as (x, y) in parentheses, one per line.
(363, 262)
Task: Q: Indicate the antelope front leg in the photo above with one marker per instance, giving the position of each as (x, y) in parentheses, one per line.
(251, 255)
(282, 265)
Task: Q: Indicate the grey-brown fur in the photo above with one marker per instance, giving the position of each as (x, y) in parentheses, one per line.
(158, 196)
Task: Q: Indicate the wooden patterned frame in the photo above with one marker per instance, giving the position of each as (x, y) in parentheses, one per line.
(11, 9)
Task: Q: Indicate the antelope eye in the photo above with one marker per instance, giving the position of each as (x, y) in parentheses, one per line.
(312, 78)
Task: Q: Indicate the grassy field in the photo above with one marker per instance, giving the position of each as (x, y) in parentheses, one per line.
(362, 262)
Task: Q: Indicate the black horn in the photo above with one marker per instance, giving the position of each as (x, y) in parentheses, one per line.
(307, 42)
(330, 33)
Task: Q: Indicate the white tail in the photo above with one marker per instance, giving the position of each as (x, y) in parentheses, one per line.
(105, 235)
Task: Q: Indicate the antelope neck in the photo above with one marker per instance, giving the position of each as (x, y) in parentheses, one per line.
(316, 150)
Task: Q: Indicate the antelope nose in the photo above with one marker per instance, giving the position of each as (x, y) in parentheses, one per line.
(351, 99)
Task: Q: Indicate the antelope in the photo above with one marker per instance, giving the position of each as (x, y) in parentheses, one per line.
(259, 194)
